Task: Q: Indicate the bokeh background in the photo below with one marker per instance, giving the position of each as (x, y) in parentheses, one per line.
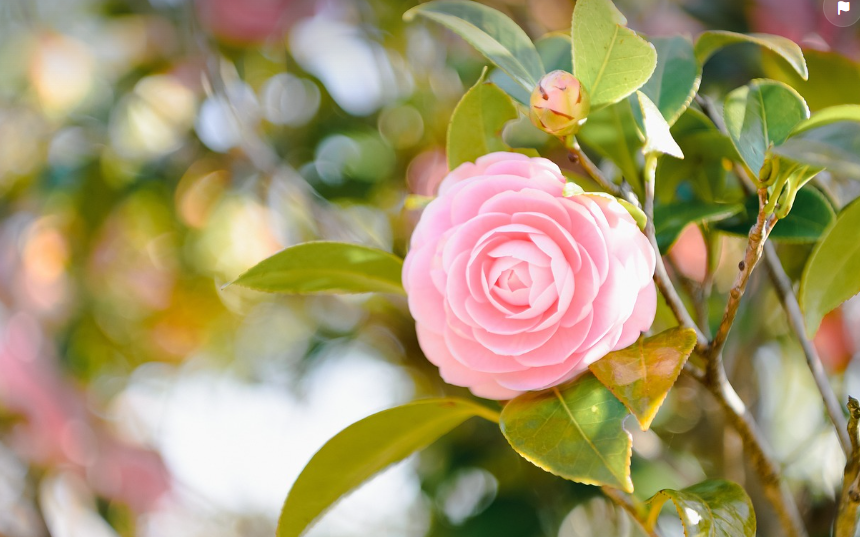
(152, 151)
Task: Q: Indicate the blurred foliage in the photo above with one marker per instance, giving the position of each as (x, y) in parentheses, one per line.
(150, 152)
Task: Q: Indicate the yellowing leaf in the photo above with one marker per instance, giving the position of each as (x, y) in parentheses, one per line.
(641, 375)
(713, 508)
(574, 431)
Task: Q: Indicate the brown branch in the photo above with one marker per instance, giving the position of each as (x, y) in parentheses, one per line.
(755, 246)
(795, 318)
(792, 310)
(625, 502)
(714, 378)
(768, 472)
(846, 520)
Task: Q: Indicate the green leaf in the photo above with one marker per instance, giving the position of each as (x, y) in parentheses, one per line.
(670, 219)
(612, 133)
(554, 51)
(326, 267)
(365, 448)
(808, 220)
(833, 78)
(609, 59)
(706, 151)
(713, 508)
(477, 122)
(658, 138)
(835, 147)
(574, 431)
(491, 32)
(676, 79)
(762, 115)
(711, 41)
(641, 375)
(828, 116)
(832, 273)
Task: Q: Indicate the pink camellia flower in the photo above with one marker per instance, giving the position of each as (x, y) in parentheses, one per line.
(515, 287)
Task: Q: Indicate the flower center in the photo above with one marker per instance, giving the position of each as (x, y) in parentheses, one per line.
(510, 280)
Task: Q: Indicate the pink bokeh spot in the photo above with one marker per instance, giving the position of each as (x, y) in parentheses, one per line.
(515, 287)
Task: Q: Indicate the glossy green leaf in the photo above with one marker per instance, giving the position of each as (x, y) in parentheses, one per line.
(671, 218)
(711, 41)
(713, 508)
(326, 267)
(477, 122)
(835, 147)
(833, 78)
(707, 151)
(609, 59)
(612, 133)
(655, 129)
(762, 115)
(365, 448)
(676, 78)
(574, 431)
(641, 375)
(832, 273)
(828, 116)
(491, 32)
(808, 220)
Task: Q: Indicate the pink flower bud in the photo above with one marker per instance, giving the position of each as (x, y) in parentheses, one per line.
(559, 104)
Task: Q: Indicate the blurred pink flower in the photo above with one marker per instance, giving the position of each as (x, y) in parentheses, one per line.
(58, 430)
(251, 21)
(515, 287)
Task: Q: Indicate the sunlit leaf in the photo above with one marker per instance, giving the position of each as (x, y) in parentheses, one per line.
(711, 41)
(365, 448)
(833, 78)
(713, 508)
(609, 59)
(477, 122)
(641, 375)
(658, 138)
(809, 218)
(762, 115)
(574, 431)
(828, 116)
(491, 32)
(835, 147)
(676, 78)
(326, 267)
(671, 218)
(832, 273)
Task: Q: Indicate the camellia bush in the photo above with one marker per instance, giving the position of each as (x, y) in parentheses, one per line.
(541, 289)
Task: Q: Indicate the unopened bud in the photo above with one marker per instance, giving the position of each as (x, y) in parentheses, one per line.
(559, 104)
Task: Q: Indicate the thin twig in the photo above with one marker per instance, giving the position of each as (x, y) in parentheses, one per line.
(846, 520)
(795, 318)
(755, 246)
(625, 502)
(737, 414)
(792, 310)
(622, 191)
(661, 277)
(768, 471)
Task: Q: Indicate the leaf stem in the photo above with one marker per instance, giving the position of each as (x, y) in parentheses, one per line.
(846, 520)
(622, 191)
(624, 501)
